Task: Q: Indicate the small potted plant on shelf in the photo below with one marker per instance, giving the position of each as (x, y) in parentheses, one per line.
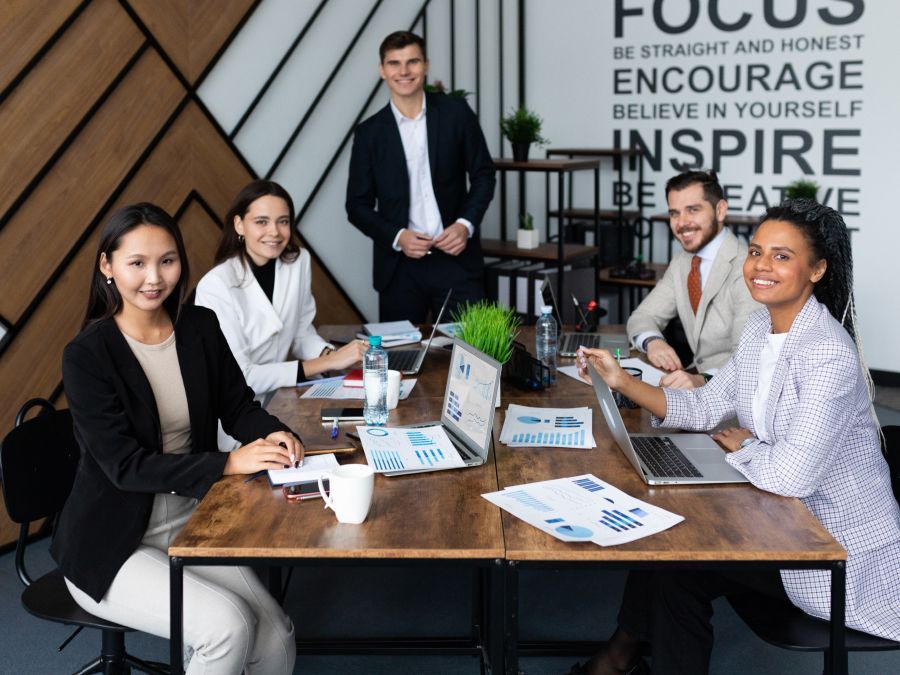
(490, 328)
(801, 187)
(439, 88)
(527, 236)
(521, 128)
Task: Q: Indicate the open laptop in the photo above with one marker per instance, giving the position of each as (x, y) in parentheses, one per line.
(409, 360)
(569, 342)
(467, 413)
(666, 460)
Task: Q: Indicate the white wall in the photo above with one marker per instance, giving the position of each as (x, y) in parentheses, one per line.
(570, 60)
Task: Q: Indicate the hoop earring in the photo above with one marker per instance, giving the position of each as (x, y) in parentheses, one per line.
(109, 281)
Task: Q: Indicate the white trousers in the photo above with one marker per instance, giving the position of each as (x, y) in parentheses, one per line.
(231, 622)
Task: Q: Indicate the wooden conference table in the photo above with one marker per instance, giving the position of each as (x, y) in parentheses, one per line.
(427, 520)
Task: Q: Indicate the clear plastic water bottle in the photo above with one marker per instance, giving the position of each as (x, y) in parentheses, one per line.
(375, 367)
(545, 342)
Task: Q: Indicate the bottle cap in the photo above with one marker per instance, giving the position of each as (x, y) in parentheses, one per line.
(547, 309)
(374, 340)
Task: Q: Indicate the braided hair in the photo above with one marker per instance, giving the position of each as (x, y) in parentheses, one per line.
(826, 232)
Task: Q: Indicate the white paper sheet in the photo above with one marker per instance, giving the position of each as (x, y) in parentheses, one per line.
(527, 427)
(335, 389)
(583, 508)
(397, 449)
(312, 468)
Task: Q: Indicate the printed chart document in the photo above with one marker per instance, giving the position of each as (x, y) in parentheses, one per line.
(335, 389)
(313, 467)
(649, 374)
(583, 508)
(396, 449)
(526, 427)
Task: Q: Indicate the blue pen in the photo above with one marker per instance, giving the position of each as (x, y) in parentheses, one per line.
(334, 429)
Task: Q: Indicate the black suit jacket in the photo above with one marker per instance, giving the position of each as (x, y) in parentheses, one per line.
(378, 184)
(117, 427)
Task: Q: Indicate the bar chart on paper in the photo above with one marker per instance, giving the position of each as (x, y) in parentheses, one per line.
(389, 450)
(543, 427)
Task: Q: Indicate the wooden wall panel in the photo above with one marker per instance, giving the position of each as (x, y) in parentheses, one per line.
(83, 179)
(51, 101)
(25, 27)
(168, 21)
(201, 237)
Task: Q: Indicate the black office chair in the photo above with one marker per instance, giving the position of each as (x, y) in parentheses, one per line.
(38, 460)
(781, 624)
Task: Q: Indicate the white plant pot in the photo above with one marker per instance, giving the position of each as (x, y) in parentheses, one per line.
(528, 238)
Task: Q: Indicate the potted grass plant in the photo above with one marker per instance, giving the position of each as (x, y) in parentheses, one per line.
(490, 328)
(801, 187)
(527, 236)
(521, 128)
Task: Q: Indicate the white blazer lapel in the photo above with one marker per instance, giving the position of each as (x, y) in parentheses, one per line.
(801, 323)
(261, 321)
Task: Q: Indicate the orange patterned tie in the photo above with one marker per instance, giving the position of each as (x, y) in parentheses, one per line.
(693, 283)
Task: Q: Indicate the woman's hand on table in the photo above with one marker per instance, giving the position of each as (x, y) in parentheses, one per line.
(276, 451)
(348, 355)
(680, 379)
(731, 438)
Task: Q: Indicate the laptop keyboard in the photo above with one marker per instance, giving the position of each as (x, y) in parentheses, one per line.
(402, 359)
(663, 457)
(571, 341)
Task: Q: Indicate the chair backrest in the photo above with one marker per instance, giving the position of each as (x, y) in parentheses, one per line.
(38, 460)
(892, 454)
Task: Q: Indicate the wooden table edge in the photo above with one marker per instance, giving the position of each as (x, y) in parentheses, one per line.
(328, 553)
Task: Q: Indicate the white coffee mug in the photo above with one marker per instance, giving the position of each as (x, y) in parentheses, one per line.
(351, 487)
(393, 388)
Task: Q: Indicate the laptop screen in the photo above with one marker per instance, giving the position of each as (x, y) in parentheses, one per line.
(614, 419)
(472, 384)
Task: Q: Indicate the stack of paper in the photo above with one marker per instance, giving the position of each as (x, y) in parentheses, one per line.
(583, 508)
(390, 449)
(526, 427)
(394, 333)
(312, 468)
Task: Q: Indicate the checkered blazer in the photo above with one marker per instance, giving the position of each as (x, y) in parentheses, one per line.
(826, 451)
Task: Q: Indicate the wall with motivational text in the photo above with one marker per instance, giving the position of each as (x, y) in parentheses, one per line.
(764, 92)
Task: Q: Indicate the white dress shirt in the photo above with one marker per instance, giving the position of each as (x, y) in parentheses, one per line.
(424, 214)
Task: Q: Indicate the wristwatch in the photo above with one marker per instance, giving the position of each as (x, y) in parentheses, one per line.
(647, 341)
(747, 441)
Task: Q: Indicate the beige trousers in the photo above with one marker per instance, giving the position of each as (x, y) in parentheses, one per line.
(231, 622)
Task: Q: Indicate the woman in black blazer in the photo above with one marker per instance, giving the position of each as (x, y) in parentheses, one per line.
(146, 381)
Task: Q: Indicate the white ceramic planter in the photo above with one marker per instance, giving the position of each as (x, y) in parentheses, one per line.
(528, 238)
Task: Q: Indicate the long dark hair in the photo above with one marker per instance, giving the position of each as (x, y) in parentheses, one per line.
(231, 245)
(827, 234)
(104, 300)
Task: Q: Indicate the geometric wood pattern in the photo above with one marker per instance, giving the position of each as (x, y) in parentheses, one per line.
(98, 109)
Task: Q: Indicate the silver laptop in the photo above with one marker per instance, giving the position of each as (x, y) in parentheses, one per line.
(409, 360)
(570, 342)
(467, 413)
(666, 460)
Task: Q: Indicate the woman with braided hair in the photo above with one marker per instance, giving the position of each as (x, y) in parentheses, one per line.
(803, 398)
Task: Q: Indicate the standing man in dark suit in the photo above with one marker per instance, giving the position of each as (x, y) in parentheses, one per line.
(407, 189)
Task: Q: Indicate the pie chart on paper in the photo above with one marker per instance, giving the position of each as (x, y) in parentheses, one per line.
(575, 531)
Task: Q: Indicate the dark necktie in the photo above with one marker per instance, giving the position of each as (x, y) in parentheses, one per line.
(693, 283)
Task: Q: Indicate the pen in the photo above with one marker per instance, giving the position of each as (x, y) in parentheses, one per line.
(618, 355)
(334, 429)
(296, 463)
(578, 307)
(254, 476)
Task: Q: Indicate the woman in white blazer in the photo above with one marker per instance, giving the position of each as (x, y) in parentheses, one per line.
(260, 289)
(807, 430)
